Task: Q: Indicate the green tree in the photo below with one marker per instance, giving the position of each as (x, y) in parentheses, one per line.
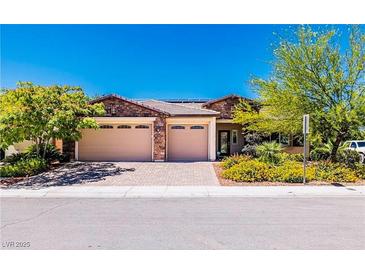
(312, 75)
(43, 113)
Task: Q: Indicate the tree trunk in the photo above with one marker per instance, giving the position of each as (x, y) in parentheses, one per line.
(45, 149)
(335, 147)
(37, 146)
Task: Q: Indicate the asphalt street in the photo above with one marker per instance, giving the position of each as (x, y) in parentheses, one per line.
(183, 223)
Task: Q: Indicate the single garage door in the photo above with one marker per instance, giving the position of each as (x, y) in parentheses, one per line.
(187, 143)
(116, 143)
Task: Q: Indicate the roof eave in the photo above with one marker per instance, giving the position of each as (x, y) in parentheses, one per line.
(102, 98)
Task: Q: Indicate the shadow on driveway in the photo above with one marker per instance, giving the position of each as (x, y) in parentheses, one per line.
(71, 174)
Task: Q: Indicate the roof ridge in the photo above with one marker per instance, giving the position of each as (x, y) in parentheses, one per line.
(128, 100)
(225, 97)
(177, 104)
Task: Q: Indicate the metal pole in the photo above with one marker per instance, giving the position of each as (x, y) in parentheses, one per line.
(305, 132)
(305, 157)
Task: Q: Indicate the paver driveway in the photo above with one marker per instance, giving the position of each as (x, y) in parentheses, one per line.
(126, 174)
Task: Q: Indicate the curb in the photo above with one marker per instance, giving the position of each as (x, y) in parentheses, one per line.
(185, 192)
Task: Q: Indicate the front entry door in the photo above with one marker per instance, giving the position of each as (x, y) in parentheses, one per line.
(224, 138)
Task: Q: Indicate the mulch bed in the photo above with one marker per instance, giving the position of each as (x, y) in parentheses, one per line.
(225, 182)
(5, 182)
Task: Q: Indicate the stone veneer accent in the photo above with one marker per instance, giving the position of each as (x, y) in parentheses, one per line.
(68, 149)
(117, 107)
(225, 107)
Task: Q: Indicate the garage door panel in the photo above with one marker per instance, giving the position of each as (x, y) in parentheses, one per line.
(188, 144)
(116, 144)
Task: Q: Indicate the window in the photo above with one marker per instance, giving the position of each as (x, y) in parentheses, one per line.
(283, 139)
(106, 126)
(234, 137)
(353, 145)
(124, 126)
(361, 144)
(196, 127)
(142, 126)
(177, 127)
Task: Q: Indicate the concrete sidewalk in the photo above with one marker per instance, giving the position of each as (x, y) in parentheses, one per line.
(184, 191)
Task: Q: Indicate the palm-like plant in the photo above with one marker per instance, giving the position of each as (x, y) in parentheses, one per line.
(269, 152)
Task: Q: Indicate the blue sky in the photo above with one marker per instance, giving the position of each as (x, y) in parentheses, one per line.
(140, 61)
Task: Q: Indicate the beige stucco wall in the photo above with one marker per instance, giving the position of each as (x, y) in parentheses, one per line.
(235, 148)
(18, 147)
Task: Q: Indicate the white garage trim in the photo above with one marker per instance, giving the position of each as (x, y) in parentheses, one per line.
(209, 121)
(124, 120)
(224, 121)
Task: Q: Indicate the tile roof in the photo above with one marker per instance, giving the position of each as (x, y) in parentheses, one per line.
(138, 103)
(176, 109)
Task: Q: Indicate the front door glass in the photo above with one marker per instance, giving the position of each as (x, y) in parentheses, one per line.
(224, 142)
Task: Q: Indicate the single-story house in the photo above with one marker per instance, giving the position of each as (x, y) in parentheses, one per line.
(161, 130)
(156, 130)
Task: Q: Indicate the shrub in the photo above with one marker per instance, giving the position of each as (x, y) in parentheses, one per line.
(348, 157)
(24, 167)
(249, 150)
(296, 157)
(320, 154)
(233, 160)
(292, 172)
(252, 140)
(52, 153)
(334, 172)
(12, 159)
(360, 171)
(249, 171)
(269, 152)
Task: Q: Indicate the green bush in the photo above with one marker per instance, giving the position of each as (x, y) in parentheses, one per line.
(249, 171)
(52, 154)
(348, 157)
(257, 171)
(252, 140)
(320, 154)
(233, 160)
(24, 167)
(297, 157)
(269, 152)
(334, 172)
(292, 172)
(253, 170)
(360, 171)
(12, 159)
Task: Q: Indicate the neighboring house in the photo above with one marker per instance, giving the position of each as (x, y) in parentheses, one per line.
(151, 130)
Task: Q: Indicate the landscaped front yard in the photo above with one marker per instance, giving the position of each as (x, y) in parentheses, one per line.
(270, 166)
(229, 182)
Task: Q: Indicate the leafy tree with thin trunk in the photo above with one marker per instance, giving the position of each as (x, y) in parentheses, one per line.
(313, 75)
(44, 113)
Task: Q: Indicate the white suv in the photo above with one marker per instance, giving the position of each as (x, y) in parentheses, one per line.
(357, 145)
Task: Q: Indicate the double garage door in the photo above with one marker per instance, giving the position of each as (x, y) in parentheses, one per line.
(133, 142)
(129, 142)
